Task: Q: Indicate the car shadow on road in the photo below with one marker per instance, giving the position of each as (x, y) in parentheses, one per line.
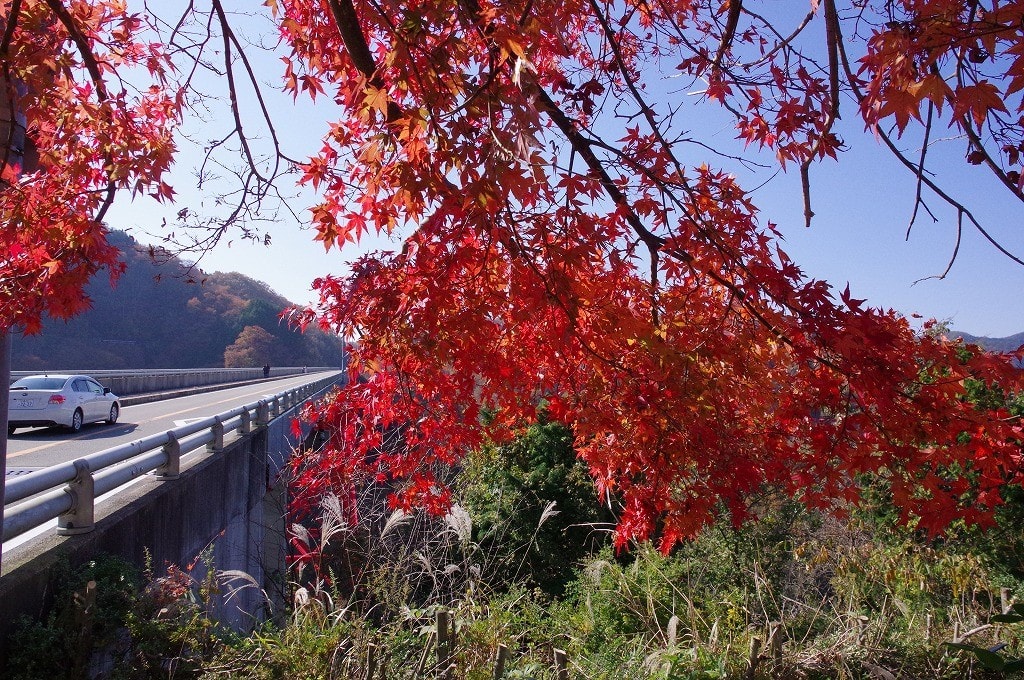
(94, 431)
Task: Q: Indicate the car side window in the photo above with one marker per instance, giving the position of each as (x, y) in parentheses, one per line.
(94, 387)
(79, 386)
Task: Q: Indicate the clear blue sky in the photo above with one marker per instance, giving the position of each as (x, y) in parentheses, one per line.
(862, 203)
(863, 206)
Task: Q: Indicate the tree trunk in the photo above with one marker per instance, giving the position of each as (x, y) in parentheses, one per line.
(12, 148)
(5, 380)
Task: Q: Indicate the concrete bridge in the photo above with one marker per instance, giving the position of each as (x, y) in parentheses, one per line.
(213, 492)
(170, 381)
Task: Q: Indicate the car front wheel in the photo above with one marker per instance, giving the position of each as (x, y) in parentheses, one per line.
(76, 421)
(114, 412)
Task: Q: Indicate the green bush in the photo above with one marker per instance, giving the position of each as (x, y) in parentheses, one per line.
(106, 623)
(91, 607)
(535, 511)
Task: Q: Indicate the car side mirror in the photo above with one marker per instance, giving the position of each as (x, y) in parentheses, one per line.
(106, 390)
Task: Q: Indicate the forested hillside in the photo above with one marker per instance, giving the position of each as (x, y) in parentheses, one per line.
(166, 315)
(1007, 344)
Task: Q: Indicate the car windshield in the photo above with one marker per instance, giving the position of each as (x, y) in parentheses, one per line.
(39, 382)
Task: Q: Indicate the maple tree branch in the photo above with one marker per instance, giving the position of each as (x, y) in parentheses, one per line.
(961, 209)
(10, 24)
(654, 289)
(526, 13)
(351, 31)
(782, 43)
(93, 68)
(583, 147)
(833, 36)
(648, 114)
(253, 173)
(9, 125)
(9, 95)
(731, 22)
(918, 201)
(965, 124)
(84, 49)
(229, 39)
(708, 233)
(956, 249)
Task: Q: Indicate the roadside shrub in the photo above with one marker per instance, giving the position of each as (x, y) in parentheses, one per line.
(107, 625)
(91, 607)
(535, 512)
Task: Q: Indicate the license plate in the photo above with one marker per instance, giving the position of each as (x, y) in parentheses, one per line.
(23, 403)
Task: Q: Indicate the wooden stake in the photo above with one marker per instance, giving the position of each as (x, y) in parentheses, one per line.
(371, 660)
(1004, 600)
(775, 641)
(754, 657)
(444, 652)
(561, 669)
(499, 662)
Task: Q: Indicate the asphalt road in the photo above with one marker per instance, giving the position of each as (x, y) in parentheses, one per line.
(31, 449)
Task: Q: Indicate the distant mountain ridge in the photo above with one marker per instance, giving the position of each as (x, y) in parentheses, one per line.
(174, 315)
(1007, 344)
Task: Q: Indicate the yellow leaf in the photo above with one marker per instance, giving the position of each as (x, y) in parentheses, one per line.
(376, 98)
(515, 48)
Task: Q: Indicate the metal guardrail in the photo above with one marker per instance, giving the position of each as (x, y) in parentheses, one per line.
(138, 381)
(81, 481)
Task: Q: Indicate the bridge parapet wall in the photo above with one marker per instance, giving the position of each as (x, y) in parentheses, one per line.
(226, 504)
(217, 502)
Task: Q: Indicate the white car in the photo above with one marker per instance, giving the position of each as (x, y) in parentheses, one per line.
(67, 400)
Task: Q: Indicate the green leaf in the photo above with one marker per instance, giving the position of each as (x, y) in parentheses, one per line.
(988, 659)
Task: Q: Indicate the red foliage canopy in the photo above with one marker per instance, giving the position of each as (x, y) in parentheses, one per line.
(64, 70)
(566, 254)
(566, 250)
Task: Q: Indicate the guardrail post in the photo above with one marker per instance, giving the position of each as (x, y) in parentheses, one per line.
(82, 490)
(172, 468)
(218, 435)
(245, 421)
(262, 413)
